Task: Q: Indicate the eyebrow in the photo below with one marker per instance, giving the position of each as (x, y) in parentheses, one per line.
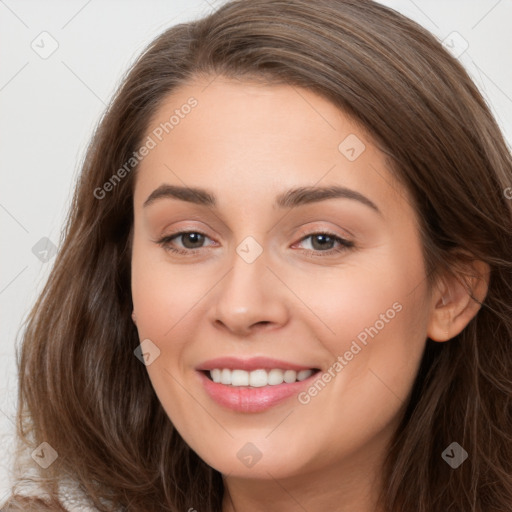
(289, 199)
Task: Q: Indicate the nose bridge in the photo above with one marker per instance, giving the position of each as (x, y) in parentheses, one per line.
(247, 296)
(245, 283)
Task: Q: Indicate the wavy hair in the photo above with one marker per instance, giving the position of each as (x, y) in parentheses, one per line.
(82, 390)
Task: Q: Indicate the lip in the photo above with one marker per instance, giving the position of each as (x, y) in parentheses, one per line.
(254, 363)
(247, 399)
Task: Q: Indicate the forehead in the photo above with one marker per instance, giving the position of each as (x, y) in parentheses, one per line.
(228, 110)
(241, 135)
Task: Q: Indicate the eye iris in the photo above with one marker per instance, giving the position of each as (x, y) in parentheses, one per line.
(323, 238)
(197, 238)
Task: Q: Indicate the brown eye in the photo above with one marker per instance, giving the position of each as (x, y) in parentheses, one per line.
(191, 242)
(191, 239)
(321, 241)
(324, 242)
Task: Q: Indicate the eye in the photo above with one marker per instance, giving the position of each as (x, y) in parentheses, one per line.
(191, 241)
(322, 244)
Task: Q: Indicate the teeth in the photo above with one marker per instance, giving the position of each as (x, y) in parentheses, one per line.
(225, 377)
(290, 376)
(304, 374)
(239, 378)
(275, 377)
(258, 378)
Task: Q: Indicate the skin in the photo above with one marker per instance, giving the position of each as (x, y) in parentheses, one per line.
(247, 143)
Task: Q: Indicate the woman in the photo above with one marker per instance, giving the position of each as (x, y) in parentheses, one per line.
(285, 279)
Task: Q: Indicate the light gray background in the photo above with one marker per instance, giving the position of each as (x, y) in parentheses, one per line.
(49, 107)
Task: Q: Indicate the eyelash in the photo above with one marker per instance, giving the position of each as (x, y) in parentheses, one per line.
(344, 244)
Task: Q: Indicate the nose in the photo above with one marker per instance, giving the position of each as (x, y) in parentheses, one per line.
(250, 298)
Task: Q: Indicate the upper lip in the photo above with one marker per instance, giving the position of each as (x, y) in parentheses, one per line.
(253, 363)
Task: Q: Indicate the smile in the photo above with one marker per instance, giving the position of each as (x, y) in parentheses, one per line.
(253, 385)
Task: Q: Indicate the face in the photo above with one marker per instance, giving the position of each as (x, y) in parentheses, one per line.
(299, 259)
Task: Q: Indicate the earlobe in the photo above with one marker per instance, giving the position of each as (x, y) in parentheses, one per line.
(457, 299)
(134, 318)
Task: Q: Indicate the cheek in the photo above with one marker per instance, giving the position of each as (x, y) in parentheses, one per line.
(164, 298)
(374, 315)
(383, 291)
(162, 293)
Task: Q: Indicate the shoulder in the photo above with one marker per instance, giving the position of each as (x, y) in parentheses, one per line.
(65, 503)
(30, 489)
(34, 498)
(19, 503)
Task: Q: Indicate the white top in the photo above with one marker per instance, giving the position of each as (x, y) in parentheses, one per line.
(71, 498)
(26, 476)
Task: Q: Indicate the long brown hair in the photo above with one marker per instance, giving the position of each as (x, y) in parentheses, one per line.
(82, 390)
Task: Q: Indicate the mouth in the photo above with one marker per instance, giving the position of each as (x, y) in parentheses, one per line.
(253, 385)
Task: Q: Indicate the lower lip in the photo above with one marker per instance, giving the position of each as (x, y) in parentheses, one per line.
(248, 399)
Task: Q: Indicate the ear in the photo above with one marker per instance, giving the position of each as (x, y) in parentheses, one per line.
(134, 318)
(457, 298)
